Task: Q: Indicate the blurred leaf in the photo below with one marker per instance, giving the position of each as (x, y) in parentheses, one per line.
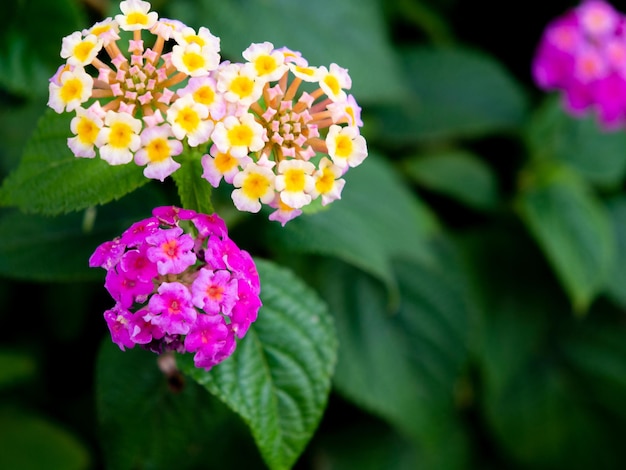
(193, 190)
(17, 123)
(457, 174)
(150, 420)
(324, 31)
(15, 367)
(378, 218)
(536, 408)
(572, 228)
(51, 181)
(598, 155)
(455, 92)
(58, 248)
(616, 284)
(278, 379)
(596, 352)
(31, 39)
(404, 366)
(364, 446)
(540, 420)
(30, 442)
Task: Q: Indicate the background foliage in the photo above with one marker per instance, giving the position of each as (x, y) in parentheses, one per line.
(472, 277)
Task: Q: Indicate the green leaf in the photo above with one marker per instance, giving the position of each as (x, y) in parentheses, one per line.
(534, 402)
(405, 366)
(17, 123)
(278, 379)
(455, 92)
(596, 351)
(30, 442)
(149, 419)
(597, 154)
(573, 229)
(31, 42)
(40, 248)
(50, 180)
(367, 227)
(15, 367)
(193, 190)
(364, 444)
(457, 174)
(616, 287)
(324, 31)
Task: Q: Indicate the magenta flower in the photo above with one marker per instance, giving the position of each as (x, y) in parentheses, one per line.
(180, 284)
(135, 263)
(171, 250)
(172, 309)
(211, 340)
(137, 232)
(118, 320)
(107, 254)
(214, 291)
(126, 289)
(582, 55)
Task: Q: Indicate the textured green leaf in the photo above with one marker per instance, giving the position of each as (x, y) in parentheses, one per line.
(457, 174)
(378, 218)
(597, 154)
(50, 180)
(30, 442)
(193, 190)
(278, 379)
(454, 93)
(31, 42)
(573, 229)
(148, 419)
(403, 367)
(324, 31)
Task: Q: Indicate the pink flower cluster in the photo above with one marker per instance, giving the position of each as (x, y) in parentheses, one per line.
(583, 54)
(180, 284)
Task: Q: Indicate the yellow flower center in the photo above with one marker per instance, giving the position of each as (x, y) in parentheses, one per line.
(204, 95)
(325, 182)
(158, 150)
(242, 86)
(83, 49)
(137, 18)
(343, 146)
(193, 61)
(120, 135)
(87, 131)
(332, 83)
(195, 39)
(294, 180)
(188, 119)
(98, 30)
(255, 186)
(225, 162)
(305, 70)
(240, 135)
(265, 64)
(72, 89)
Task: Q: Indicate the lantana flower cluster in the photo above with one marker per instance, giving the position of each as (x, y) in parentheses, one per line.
(281, 131)
(179, 284)
(582, 54)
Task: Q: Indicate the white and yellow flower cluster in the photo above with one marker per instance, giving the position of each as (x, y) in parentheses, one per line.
(282, 132)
